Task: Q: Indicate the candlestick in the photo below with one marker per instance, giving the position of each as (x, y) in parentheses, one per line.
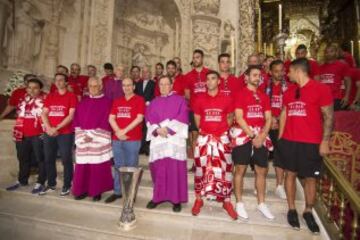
(280, 18)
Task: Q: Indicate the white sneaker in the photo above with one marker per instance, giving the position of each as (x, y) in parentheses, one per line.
(240, 210)
(280, 192)
(263, 208)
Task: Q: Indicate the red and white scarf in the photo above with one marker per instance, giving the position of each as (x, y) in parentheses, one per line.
(213, 167)
(32, 105)
(239, 137)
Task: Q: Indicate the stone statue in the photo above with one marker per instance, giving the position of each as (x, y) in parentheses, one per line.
(22, 40)
(227, 41)
(139, 58)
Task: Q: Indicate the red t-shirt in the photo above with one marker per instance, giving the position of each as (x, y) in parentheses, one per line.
(29, 127)
(196, 83)
(333, 74)
(264, 81)
(125, 112)
(230, 86)
(157, 88)
(254, 107)
(17, 96)
(81, 83)
(59, 106)
(106, 78)
(314, 68)
(75, 88)
(178, 85)
(276, 101)
(213, 111)
(349, 59)
(303, 116)
(355, 77)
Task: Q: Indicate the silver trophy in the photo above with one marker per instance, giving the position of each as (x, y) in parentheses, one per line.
(130, 178)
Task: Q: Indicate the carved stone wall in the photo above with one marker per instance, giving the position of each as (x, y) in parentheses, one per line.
(206, 29)
(143, 37)
(120, 31)
(101, 31)
(246, 28)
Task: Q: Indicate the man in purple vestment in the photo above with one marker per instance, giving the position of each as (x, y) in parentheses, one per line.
(167, 121)
(93, 144)
(113, 86)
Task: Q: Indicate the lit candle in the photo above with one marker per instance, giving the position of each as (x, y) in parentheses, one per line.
(280, 18)
(232, 51)
(265, 48)
(352, 47)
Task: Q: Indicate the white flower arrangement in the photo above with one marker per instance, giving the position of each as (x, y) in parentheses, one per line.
(15, 81)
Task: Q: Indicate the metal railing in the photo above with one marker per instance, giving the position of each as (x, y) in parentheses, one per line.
(338, 204)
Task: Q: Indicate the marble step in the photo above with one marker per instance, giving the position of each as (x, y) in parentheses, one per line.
(87, 219)
(144, 162)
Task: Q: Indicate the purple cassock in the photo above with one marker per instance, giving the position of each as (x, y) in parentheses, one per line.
(113, 88)
(168, 154)
(93, 166)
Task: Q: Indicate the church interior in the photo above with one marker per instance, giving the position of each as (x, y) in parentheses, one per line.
(37, 36)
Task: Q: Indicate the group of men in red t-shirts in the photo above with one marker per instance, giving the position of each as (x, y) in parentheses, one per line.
(234, 122)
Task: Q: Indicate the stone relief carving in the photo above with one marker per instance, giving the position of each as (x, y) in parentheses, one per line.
(23, 37)
(246, 32)
(101, 32)
(139, 58)
(207, 7)
(147, 36)
(206, 37)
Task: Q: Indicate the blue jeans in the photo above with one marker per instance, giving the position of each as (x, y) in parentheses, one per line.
(64, 143)
(126, 154)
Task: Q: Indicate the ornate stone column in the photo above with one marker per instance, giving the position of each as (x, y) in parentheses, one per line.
(246, 32)
(206, 29)
(52, 38)
(101, 32)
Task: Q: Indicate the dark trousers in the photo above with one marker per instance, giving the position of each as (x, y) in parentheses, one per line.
(145, 145)
(28, 147)
(64, 144)
(338, 107)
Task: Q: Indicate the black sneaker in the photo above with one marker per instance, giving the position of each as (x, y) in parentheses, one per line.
(112, 198)
(13, 187)
(177, 207)
(151, 205)
(293, 219)
(48, 189)
(311, 223)
(81, 197)
(97, 198)
(65, 191)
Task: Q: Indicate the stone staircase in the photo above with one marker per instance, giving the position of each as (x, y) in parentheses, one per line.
(27, 216)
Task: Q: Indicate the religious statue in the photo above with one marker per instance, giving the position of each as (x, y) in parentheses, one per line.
(22, 39)
(139, 58)
(227, 43)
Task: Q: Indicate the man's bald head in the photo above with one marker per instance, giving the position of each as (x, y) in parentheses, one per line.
(253, 59)
(95, 86)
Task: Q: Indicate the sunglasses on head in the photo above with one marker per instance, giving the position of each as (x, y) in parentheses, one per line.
(257, 99)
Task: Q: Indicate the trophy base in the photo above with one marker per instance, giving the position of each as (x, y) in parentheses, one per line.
(128, 225)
